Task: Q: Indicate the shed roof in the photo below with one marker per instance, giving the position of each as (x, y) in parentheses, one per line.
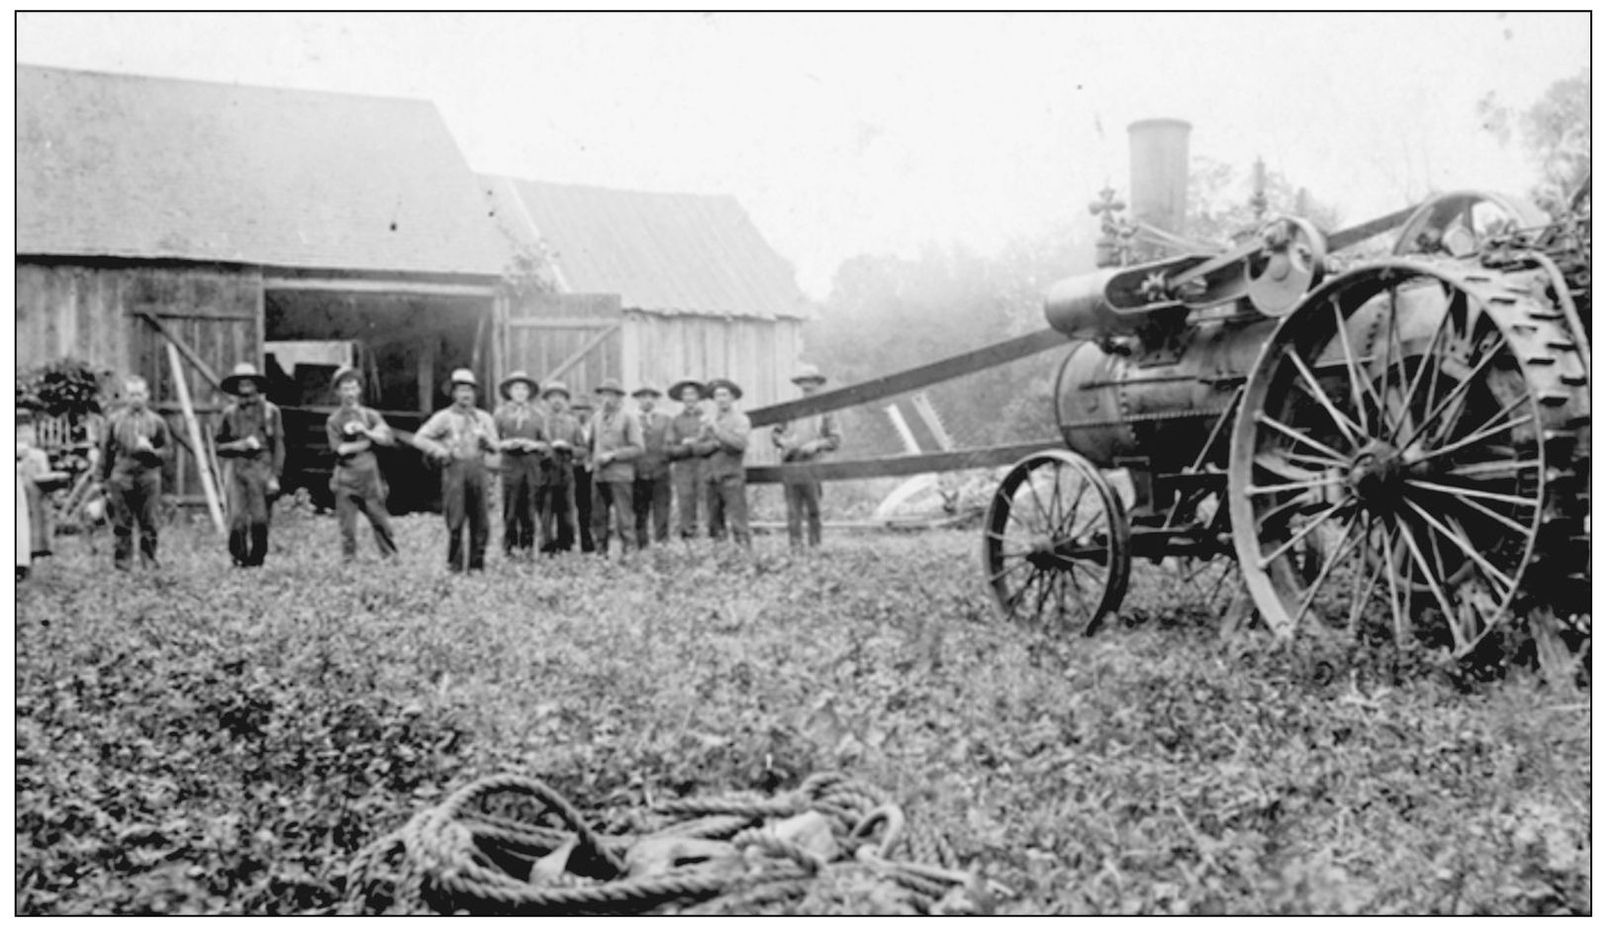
(666, 253)
(118, 165)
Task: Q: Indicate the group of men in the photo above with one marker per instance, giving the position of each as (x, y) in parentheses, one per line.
(569, 472)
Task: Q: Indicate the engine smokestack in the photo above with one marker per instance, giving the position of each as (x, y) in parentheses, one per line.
(1159, 169)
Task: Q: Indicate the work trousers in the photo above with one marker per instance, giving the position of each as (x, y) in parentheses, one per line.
(520, 482)
(134, 499)
(612, 513)
(466, 508)
(556, 530)
(247, 498)
(727, 503)
(583, 491)
(803, 503)
(357, 491)
(688, 496)
(652, 497)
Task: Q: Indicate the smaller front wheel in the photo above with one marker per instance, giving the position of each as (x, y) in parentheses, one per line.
(1056, 543)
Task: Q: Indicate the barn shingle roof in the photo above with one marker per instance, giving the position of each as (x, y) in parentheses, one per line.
(140, 167)
(664, 253)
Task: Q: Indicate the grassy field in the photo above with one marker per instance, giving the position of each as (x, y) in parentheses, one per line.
(211, 740)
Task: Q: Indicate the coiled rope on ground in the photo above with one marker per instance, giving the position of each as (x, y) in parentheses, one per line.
(511, 844)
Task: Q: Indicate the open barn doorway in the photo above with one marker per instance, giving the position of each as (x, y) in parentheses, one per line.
(405, 344)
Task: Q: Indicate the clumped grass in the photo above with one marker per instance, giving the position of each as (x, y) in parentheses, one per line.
(212, 740)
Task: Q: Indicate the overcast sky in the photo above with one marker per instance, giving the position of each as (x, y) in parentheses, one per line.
(846, 134)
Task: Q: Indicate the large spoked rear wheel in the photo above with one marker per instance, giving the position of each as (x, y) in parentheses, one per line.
(1402, 454)
(1056, 543)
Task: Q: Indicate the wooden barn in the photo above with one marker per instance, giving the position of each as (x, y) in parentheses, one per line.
(294, 229)
(648, 288)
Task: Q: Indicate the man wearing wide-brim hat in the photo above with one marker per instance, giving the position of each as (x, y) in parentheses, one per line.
(566, 440)
(653, 488)
(457, 437)
(685, 468)
(722, 444)
(803, 441)
(357, 486)
(616, 441)
(524, 446)
(253, 443)
(584, 490)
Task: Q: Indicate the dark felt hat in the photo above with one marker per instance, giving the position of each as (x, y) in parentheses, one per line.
(680, 386)
(242, 373)
(735, 390)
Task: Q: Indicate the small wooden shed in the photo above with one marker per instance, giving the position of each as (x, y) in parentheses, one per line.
(648, 288)
(227, 219)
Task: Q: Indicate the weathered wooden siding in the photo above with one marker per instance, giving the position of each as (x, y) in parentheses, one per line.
(759, 355)
(756, 354)
(544, 333)
(655, 349)
(89, 312)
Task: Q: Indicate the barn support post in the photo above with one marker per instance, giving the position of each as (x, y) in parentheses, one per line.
(425, 359)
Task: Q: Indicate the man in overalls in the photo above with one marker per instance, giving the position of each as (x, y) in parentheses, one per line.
(722, 445)
(457, 437)
(615, 443)
(523, 449)
(252, 441)
(556, 518)
(802, 441)
(652, 477)
(686, 466)
(583, 486)
(356, 482)
(134, 444)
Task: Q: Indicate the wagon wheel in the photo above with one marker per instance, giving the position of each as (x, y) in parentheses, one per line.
(1402, 455)
(1056, 543)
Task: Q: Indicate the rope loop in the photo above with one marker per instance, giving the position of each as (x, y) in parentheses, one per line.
(492, 847)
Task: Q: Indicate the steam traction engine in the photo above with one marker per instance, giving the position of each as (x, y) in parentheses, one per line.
(1400, 443)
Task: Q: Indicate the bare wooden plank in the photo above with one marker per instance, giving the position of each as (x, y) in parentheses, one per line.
(203, 312)
(561, 322)
(898, 465)
(393, 286)
(914, 379)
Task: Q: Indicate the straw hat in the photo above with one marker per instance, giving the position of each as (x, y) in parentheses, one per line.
(516, 377)
(346, 374)
(460, 376)
(555, 387)
(645, 390)
(808, 372)
(610, 385)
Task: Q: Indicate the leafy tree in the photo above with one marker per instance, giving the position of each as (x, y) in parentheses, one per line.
(1554, 130)
(887, 313)
(1222, 206)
